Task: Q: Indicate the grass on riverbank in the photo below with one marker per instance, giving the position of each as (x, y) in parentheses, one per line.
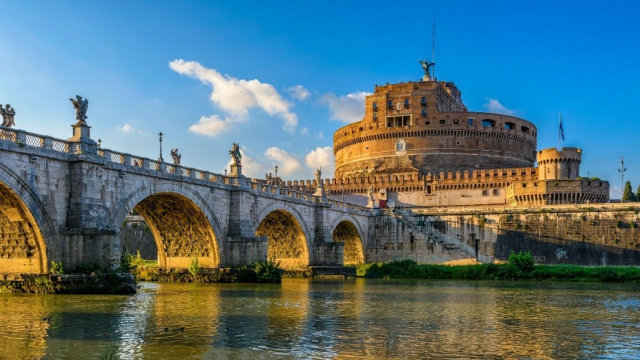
(408, 269)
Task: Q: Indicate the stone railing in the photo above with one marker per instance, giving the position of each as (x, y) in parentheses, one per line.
(25, 139)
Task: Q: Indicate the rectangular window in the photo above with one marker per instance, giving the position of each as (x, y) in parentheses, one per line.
(495, 191)
(456, 122)
(375, 106)
(423, 101)
(485, 193)
(423, 112)
(470, 121)
(406, 103)
(390, 104)
(375, 116)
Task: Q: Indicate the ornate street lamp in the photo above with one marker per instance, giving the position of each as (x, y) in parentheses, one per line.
(160, 138)
(621, 171)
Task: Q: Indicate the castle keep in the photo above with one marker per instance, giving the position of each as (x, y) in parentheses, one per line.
(418, 145)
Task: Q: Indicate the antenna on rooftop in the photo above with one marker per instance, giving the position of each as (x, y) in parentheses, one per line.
(433, 49)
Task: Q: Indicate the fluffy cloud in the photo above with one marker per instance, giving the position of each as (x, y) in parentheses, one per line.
(236, 96)
(287, 163)
(128, 128)
(494, 106)
(304, 131)
(299, 92)
(347, 108)
(321, 157)
(213, 125)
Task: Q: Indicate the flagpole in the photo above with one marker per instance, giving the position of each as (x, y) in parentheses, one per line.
(560, 132)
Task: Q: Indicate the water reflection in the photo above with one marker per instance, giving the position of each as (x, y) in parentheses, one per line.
(330, 319)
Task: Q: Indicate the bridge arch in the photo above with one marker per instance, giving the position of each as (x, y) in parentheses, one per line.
(182, 223)
(288, 235)
(346, 229)
(25, 228)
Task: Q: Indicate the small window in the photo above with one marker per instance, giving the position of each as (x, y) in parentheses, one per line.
(495, 191)
(375, 116)
(485, 192)
(390, 104)
(509, 126)
(442, 122)
(375, 106)
(427, 122)
(456, 122)
(524, 185)
(423, 101)
(458, 143)
(524, 129)
(406, 103)
(488, 123)
(470, 121)
(423, 112)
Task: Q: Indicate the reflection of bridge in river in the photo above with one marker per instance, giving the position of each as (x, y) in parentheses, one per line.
(65, 200)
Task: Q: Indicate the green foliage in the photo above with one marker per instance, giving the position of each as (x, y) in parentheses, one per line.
(619, 224)
(483, 221)
(522, 260)
(627, 194)
(508, 271)
(194, 267)
(633, 225)
(638, 193)
(56, 268)
(90, 268)
(594, 178)
(268, 272)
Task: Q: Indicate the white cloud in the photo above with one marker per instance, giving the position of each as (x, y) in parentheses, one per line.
(494, 106)
(304, 131)
(128, 128)
(347, 108)
(237, 96)
(299, 92)
(287, 163)
(320, 135)
(213, 125)
(321, 157)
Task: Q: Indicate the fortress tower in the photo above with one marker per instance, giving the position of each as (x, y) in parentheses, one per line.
(563, 164)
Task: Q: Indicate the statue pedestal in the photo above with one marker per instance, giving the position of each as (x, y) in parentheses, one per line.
(81, 133)
(236, 171)
(320, 191)
(370, 204)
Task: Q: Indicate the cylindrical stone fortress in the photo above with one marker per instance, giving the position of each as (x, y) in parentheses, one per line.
(424, 126)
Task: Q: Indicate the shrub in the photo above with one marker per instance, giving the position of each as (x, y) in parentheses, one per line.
(522, 260)
(56, 268)
(268, 272)
(194, 267)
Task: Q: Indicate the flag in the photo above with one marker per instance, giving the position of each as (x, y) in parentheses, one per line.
(561, 131)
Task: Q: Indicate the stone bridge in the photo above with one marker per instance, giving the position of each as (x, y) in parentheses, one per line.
(66, 201)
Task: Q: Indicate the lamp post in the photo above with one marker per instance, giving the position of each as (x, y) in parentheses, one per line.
(621, 171)
(160, 137)
(276, 179)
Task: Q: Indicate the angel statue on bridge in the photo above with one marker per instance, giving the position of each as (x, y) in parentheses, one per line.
(7, 115)
(235, 155)
(81, 107)
(176, 157)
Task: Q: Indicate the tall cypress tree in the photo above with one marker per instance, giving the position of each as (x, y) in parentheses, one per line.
(627, 194)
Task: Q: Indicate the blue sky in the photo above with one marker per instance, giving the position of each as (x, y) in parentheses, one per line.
(280, 77)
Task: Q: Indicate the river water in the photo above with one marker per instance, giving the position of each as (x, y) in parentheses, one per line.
(323, 319)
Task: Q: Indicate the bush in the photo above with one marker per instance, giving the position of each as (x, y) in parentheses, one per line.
(194, 267)
(522, 260)
(56, 268)
(268, 272)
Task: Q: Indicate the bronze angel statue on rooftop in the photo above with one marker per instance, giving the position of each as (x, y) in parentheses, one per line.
(81, 106)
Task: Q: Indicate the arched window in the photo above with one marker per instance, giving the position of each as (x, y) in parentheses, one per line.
(509, 125)
(488, 123)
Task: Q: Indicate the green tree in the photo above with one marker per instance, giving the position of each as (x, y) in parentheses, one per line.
(638, 194)
(627, 194)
